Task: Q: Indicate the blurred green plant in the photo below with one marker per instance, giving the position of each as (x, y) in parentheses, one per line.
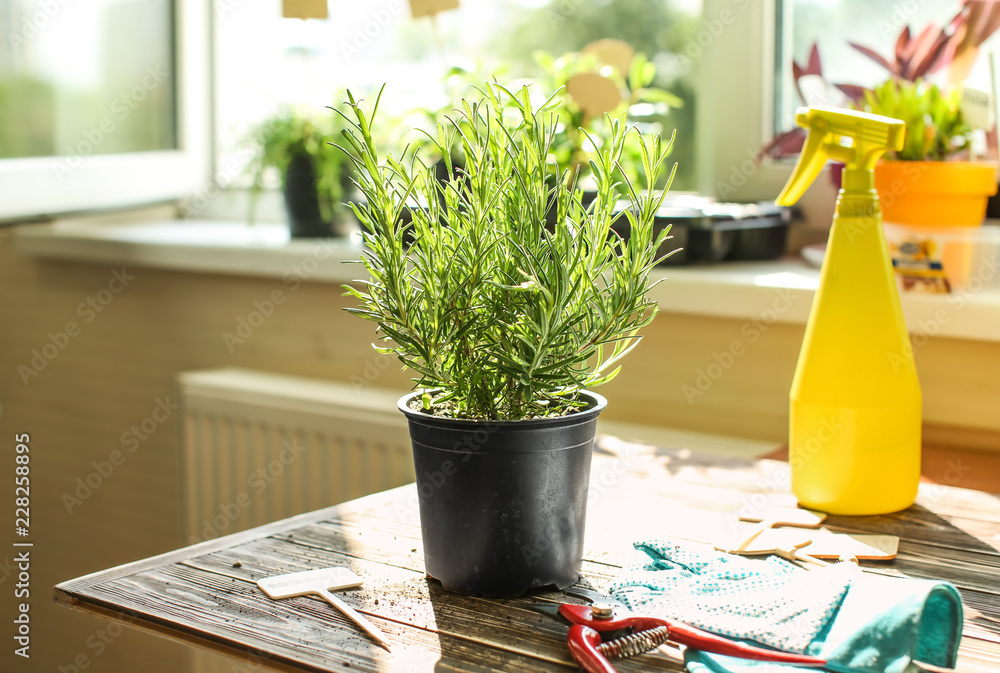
(294, 133)
(935, 128)
(417, 128)
(664, 30)
(499, 316)
(27, 117)
(578, 135)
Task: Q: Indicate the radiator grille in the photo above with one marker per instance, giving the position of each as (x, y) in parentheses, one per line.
(260, 447)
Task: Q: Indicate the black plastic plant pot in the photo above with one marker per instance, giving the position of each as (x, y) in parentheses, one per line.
(767, 240)
(740, 231)
(503, 504)
(301, 201)
(712, 241)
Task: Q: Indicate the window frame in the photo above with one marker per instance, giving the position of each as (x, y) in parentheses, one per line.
(35, 188)
(736, 106)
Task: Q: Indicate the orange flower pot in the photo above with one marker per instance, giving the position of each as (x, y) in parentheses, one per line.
(935, 193)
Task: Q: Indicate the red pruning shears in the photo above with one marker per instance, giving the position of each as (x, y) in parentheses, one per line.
(630, 636)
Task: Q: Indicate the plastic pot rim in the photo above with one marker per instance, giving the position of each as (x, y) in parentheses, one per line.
(597, 405)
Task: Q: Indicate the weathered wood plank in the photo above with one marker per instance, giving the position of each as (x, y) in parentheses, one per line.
(741, 477)
(612, 543)
(976, 568)
(324, 532)
(377, 544)
(962, 559)
(978, 655)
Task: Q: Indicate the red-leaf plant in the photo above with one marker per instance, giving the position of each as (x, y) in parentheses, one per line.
(954, 46)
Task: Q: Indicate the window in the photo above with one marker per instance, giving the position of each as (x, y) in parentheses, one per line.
(105, 99)
(832, 24)
(745, 90)
(729, 60)
(265, 61)
(98, 106)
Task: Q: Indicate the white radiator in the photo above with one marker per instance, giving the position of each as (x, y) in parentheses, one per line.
(262, 447)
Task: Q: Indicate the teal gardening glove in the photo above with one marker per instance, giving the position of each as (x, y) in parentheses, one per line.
(859, 622)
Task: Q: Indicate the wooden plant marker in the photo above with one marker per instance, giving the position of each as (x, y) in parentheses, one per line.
(824, 544)
(594, 93)
(786, 548)
(790, 550)
(616, 53)
(419, 8)
(772, 517)
(861, 547)
(304, 9)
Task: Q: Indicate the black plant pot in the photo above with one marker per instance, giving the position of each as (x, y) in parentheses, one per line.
(503, 504)
(301, 202)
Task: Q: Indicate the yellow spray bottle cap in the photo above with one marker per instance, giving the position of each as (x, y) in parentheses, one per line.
(858, 139)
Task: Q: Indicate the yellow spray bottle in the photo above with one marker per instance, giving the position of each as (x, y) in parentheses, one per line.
(854, 435)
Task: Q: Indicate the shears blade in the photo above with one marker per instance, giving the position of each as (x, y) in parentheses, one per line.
(550, 609)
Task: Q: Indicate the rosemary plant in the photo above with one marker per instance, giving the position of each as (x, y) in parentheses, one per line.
(500, 317)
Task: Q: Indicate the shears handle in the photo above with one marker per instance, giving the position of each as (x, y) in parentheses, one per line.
(682, 634)
(583, 642)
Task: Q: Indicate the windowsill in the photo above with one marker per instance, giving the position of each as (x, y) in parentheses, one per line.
(765, 292)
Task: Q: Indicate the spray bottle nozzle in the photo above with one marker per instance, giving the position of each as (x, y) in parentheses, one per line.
(858, 139)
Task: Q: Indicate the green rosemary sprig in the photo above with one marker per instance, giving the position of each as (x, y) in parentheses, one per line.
(503, 316)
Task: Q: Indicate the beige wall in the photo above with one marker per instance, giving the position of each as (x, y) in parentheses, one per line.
(111, 375)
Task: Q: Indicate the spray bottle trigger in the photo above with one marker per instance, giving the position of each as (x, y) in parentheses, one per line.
(856, 138)
(810, 162)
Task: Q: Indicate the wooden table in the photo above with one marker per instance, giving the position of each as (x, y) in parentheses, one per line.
(206, 595)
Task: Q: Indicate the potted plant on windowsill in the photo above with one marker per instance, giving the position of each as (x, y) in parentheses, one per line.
(315, 176)
(934, 180)
(507, 325)
(924, 184)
